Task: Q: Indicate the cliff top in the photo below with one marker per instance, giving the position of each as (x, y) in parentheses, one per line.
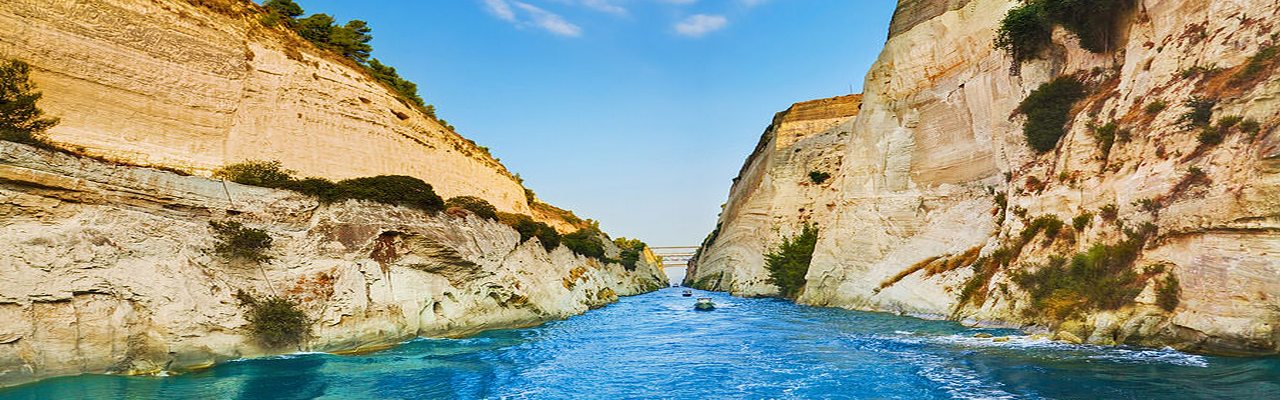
(913, 12)
(833, 107)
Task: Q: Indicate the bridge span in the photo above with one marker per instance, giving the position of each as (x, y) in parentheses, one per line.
(675, 256)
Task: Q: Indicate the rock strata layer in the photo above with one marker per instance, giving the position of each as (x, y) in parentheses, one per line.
(195, 85)
(111, 269)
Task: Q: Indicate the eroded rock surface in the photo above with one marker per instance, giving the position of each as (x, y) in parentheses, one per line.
(199, 84)
(936, 179)
(110, 269)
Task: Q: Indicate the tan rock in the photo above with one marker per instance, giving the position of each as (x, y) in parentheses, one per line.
(179, 84)
(111, 269)
(934, 143)
(1068, 337)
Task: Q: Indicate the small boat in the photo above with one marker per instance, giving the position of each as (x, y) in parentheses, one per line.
(687, 293)
(704, 304)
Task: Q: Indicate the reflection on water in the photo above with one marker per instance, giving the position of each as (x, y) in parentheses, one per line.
(655, 346)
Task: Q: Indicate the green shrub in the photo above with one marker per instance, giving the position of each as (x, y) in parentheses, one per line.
(1082, 221)
(20, 120)
(1263, 59)
(818, 177)
(235, 241)
(1250, 126)
(475, 205)
(1229, 121)
(321, 188)
(1109, 212)
(387, 189)
(392, 189)
(1148, 205)
(269, 174)
(1100, 278)
(1168, 293)
(1048, 109)
(585, 242)
(275, 321)
(1200, 113)
(1210, 135)
(1049, 224)
(1094, 22)
(528, 229)
(390, 77)
(1156, 107)
(1105, 135)
(1025, 32)
(632, 251)
(788, 265)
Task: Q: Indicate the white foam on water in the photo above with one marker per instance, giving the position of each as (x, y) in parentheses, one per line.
(1066, 351)
(956, 380)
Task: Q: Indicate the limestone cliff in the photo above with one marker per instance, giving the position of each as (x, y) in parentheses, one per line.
(774, 194)
(932, 208)
(110, 268)
(198, 84)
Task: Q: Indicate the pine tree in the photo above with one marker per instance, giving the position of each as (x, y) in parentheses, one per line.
(20, 120)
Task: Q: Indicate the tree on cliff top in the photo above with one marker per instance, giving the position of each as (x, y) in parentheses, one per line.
(20, 120)
(286, 8)
(789, 264)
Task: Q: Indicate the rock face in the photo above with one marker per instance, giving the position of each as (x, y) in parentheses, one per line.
(199, 84)
(111, 269)
(932, 208)
(774, 195)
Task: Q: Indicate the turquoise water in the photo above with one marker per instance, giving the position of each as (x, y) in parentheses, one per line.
(654, 346)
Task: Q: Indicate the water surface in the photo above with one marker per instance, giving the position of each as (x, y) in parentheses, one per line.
(655, 346)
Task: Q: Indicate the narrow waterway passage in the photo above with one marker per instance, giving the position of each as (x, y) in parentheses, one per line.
(656, 346)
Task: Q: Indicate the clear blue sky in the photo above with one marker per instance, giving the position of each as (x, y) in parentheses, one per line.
(636, 113)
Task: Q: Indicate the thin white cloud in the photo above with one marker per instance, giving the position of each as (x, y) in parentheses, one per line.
(751, 3)
(678, 2)
(549, 21)
(604, 6)
(698, 25)
(500, 9)
(523, 14)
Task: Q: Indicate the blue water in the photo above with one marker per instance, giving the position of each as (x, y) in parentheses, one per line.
(655, 346)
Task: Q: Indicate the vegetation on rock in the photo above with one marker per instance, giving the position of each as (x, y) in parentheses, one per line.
(275, 321)
(20, 120)
(1082, 221)
(1168, 293)
(236, 241)
(1027, 30)
(818, 177)
(351, 40)
(475, 205)
(1099, 278)
(632, 251)
(528, 229)
(1264, 59)
(1048, 109)
(1200, 114)
(270, 174)
(585, 242)
(387, 189)
(1156, 107)
(788, 265)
